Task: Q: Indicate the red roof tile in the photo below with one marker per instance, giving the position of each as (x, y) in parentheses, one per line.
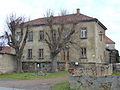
(6, 49)
(108, 40)
(68, 18)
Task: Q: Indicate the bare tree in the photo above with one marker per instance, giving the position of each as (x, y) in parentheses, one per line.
(2, 42)
(15, 40)
(58, 39)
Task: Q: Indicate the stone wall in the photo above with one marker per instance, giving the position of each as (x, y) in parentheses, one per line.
(116, 67)
(43, 66)
(92, 69)
(84, 82)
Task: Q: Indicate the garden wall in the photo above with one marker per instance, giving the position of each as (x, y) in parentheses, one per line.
(95, 83)
(7, 63)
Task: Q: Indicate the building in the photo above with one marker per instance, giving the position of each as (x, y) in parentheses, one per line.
(8, 63)
(89, 37)
(110, 44)
(112, 55)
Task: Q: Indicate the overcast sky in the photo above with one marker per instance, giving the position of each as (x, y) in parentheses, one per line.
(107, 11)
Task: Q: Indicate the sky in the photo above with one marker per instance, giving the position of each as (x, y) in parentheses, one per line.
(107, 11)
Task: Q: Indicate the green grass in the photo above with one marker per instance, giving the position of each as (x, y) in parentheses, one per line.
(25, 76)
(116, 73)
(62, 86)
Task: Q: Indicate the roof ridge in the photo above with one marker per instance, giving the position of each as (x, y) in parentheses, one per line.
(61, 16)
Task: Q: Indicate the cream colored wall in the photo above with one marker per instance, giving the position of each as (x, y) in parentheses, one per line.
(100, 45)
(89, 43)
(35, 45)
(95, 48)
(7, 63)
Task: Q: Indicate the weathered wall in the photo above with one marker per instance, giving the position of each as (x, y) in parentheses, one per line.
(7, 63)
(95, 83)
(90, 43)
(116, 67)
(92, 69)
(95, 47)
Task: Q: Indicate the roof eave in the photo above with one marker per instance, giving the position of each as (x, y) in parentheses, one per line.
(96, 20)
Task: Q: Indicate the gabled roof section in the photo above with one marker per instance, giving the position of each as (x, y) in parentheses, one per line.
(79, 17)
(108, 40)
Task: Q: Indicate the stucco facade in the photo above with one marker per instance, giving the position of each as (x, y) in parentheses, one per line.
(7, 63)
(94, 44)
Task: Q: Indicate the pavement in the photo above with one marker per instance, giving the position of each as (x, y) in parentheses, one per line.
(43, 84)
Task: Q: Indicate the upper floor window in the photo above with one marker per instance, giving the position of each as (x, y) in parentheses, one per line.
(54, 34)
(41, 54)
(29, 53)
(18, 36)
(84, 32)
(101, 35)
(30, 36)
(83, 53)
(41, 35)
(66, 32)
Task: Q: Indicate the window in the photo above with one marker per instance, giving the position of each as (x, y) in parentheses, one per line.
(66, 32)
(66, 54)
(41, 35)
(41, 54)
(83, 53)
(54, 34)
(84, 32)
(101, 35)
(29, 53)
(18, 36)
(30, 36)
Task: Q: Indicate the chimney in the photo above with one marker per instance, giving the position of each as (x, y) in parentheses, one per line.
(78, 11)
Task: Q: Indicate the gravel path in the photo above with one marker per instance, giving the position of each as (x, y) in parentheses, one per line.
(44, 84)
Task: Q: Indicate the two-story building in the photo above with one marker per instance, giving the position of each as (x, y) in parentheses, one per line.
(89, 38)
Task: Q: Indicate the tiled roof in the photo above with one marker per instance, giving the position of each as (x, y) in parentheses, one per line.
(6, 49)
(69, 17)
(108, 40)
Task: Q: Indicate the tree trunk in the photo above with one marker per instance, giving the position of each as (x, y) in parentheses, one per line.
(66, 66)
(54, 64)
(19, 65)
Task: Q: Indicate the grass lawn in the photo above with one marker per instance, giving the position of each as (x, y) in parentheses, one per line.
(62, 86)
(30, 76)
(114, 73)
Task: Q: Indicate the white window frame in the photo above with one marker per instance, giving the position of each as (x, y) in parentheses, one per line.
(83, 32)
(18, 36)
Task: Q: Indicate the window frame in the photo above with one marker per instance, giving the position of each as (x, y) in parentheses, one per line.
(41, 53)
(83, 52)
(30, 36)
(29, 53)
(83, 33)
(19, 36)
(41, 35)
